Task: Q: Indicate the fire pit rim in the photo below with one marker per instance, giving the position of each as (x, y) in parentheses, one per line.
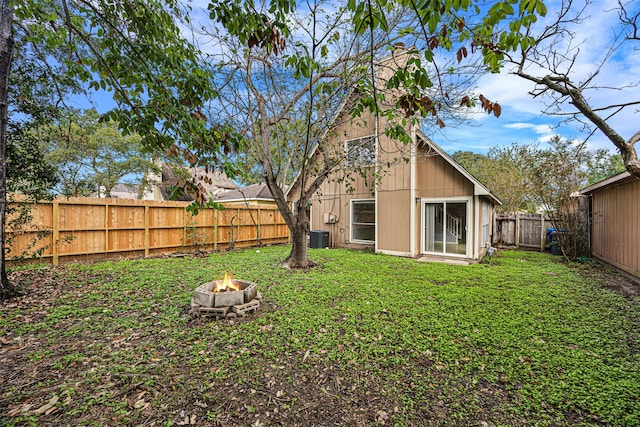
(204, 295)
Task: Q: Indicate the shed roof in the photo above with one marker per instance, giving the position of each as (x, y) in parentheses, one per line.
(606, 182)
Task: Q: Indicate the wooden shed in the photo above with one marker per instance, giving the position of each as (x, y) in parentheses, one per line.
(614, 212)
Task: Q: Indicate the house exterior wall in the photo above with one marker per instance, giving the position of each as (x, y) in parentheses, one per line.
(437, 178)
(331, 207)
(394, 197)
(335, 195)
(615, 237)
(405, 175)
(394, 222)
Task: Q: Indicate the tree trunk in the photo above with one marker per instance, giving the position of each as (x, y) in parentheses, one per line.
(299, 258)
(6, 50)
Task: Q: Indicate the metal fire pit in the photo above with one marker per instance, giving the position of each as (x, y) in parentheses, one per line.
(228, 303)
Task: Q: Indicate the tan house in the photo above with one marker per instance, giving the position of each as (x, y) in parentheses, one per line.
(412, 200)
(614, 213)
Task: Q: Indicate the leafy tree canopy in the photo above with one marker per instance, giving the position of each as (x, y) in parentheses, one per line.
(134, 50)
(527, 177)
(91, 155)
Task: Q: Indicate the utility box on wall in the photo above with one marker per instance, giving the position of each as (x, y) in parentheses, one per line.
(318, 239)
(329, 218)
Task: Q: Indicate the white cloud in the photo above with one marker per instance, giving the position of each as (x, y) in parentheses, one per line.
(523, 116)
(542, 129)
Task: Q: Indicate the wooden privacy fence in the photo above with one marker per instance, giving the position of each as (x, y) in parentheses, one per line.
(521, 230)
(68, 229)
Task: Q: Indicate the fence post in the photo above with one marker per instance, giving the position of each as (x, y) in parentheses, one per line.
(56, 231)
(517, 239)
(184, 227)
(147, 237)
(106, 228)
(543, 235)
(259, 236)
(215, 229)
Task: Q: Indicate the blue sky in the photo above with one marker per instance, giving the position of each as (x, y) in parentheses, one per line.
(522, 120)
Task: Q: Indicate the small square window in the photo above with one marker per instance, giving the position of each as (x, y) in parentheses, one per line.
(361, 152)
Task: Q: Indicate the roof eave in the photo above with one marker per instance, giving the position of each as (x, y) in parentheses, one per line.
(479, 189)
(611, 180)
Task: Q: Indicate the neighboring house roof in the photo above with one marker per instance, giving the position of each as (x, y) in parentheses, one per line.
(212, 181)
(121, 191)
(606, 182)
(250, 192)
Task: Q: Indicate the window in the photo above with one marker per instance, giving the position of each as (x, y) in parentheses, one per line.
(363, 220)
(361, 151)
(485, 223)
(445, 227)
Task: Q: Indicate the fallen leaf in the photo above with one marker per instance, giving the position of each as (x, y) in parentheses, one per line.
(51, 410)
(19, 409)
(45, 408)
(381, 417)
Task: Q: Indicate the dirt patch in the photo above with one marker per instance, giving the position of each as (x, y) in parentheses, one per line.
(610, 278)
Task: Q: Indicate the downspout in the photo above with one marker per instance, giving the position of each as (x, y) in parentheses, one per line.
(375, 179)
(412, 194)
(476, 230)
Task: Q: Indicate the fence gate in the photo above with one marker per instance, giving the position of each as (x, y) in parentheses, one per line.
(521, 230)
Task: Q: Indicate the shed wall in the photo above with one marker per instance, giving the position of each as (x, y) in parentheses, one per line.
(616, 225)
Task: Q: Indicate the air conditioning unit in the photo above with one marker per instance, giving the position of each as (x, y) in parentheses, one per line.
(318, 239)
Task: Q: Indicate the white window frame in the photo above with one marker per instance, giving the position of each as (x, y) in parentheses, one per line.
(360, 159)
(485, 223)
(468, 229)
(351, 222)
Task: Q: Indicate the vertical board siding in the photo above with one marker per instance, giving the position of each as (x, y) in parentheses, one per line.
(439, 179)
(616, 226)
(93, 229)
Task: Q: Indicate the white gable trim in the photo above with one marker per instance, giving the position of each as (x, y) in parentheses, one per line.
(478, 188)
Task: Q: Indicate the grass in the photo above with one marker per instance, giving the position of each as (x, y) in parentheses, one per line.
(364, 339)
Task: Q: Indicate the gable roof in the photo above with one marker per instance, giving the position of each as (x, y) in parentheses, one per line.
(250, 192)
(398, 52)
(479, 189)
(212, 181)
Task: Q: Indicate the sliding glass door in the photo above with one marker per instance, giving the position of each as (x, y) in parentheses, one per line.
(445, 227)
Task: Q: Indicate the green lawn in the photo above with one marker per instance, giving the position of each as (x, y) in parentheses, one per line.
(364, 339)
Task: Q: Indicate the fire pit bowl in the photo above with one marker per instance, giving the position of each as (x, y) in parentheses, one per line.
(217, 294)
(226, 298)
